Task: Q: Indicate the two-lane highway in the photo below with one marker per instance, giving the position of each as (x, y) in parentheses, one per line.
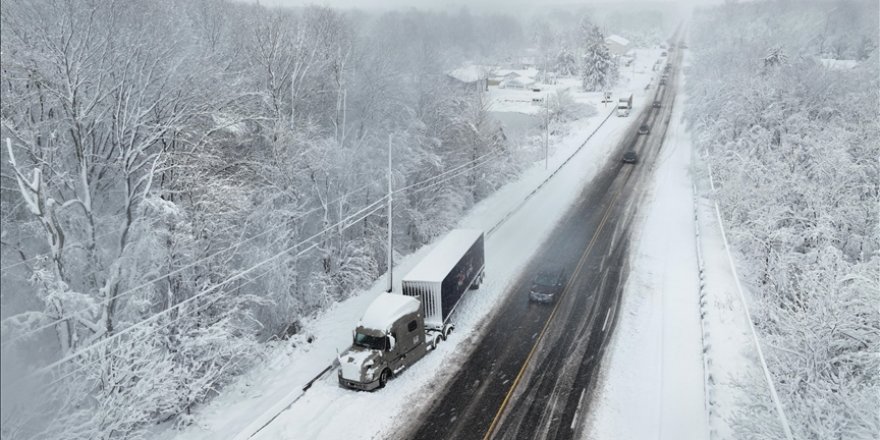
(531, 373)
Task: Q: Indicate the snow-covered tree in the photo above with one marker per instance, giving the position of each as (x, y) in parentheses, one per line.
(599, 68)
(793, 148)
(566, 63)
(168, 160)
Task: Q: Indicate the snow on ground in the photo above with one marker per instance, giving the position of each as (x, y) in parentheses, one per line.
(651, 383)
(328, 411)
(731, 355)
(654, 381)
(634, 78)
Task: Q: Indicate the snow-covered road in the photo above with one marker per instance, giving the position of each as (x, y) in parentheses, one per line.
(651, 383)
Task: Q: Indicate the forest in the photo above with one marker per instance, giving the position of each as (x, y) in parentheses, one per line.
(783, 104)
(185, 180)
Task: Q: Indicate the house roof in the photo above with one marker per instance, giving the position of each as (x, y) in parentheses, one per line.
(614, 38)
(469, 73)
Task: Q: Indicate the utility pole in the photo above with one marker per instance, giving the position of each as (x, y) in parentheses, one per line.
(546, 130)
(390, 242)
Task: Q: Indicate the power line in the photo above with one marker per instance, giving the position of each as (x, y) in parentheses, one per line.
(363, 213)
(78, 243)
(451, 170)
(173, 272)
(450, 177)
(444, 176)
(167, 324)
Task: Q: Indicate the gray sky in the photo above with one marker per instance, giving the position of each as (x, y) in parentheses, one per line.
(503, 6)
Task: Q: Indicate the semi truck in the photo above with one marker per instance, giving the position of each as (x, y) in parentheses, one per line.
(397, 330)
(624, 105)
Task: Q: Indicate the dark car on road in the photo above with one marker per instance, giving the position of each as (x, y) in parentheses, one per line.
(644, 129)
(656, 104)
(547, 285)
(630, 157)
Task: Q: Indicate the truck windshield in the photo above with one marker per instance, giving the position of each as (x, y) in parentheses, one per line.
(371, 342)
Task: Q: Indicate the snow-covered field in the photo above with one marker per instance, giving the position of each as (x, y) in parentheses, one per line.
(655, 382)
(272, 391)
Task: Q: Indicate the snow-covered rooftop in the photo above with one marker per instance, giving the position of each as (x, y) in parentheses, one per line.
(386, 308)
(617, 39)
(838, 64)
(469, 73)
(437, 264)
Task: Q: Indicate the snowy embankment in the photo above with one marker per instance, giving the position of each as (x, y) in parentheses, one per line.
(273, 392)
(682, 341)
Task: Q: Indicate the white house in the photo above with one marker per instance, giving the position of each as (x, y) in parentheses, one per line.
(518, 82)
(617, 45)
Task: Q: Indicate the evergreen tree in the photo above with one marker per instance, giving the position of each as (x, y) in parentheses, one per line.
(599, 67)
(566, 63)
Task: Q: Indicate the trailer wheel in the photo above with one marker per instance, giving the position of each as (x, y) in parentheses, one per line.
(435, 341)
(478, 281)
(447, 330)
(383, 378)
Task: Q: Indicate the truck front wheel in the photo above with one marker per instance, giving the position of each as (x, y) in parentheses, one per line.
(447, 330)
(383, 378)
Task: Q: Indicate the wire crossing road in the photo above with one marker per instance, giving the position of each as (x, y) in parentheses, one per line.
(531, 373)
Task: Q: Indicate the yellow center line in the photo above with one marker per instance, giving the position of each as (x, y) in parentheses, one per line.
(568, 285)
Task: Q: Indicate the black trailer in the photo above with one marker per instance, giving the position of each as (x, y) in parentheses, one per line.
(456, 264)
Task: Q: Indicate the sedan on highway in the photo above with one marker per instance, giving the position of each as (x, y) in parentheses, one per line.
(644, 129)
(656, 104)
(547, 285)
(630, 157)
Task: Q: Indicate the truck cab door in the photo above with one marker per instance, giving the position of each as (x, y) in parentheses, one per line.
(396, 353)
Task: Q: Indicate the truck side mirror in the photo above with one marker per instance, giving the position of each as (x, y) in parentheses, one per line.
(391, 342)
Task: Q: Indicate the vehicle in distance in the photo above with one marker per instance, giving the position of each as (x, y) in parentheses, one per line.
(663, 54)
(397, 330)
(644, 129)
(630, 157)
(662, 81)
(624, 105)
(547, 285)
(656, 104)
